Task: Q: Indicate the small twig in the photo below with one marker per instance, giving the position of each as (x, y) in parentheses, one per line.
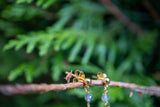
(28, 88)
(68, 76)
(131, 94)
(151, 10)
(112, 8)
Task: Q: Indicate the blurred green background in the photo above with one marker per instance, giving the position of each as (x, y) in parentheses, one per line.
(41, 39)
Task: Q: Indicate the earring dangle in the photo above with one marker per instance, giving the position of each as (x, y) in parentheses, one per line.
(80, 76)
(88, 97)
(105, 97)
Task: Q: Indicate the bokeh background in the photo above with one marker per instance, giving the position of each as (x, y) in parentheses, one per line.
(41, 39)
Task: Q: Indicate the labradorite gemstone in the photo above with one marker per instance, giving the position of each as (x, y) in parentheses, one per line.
(105, 98)
(88, 97)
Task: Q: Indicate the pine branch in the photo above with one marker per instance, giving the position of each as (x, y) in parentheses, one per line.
(28, 88)
(112, 8)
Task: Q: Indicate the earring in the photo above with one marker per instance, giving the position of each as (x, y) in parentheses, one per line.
(80, 76)
(105, 97)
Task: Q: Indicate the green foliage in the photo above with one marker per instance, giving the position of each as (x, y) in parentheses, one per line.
(20, 12)
(43, 3)
(52, 36)
(57, 67)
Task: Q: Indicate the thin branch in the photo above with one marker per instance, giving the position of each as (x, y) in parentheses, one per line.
(68, 76)
(28, 88)
(151, 10)
(112, 8)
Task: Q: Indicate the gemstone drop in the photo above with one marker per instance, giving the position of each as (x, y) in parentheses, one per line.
(88, 97)
(105, 98)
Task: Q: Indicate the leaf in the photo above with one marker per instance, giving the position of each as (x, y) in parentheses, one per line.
(20, 1)
(48, 3)
(138, 66)
(101, 51)
(30, 47)
(39, 2)
(29, 1)
(68, 42)
(10, 45)
(20, 44)
(88, 52)
(124, 66)
(110, 70)
(16, 72)
(75, 50)
(112, 53)
(29, 72)
(59, 41)
(43, 48)
(57, 67)
(17, 44)
(65, 14)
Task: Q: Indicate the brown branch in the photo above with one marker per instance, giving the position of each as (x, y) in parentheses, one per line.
(121, 17)
(28, 88)
(151, 10)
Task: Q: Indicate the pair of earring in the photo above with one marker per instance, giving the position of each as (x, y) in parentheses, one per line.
(80, 76)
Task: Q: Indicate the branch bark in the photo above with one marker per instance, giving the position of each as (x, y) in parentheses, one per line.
(151, 10)
(28, 88)
(121, 17)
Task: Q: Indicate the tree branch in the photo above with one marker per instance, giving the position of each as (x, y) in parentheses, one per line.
(28, 88)
(121, 17)
(151, 10)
